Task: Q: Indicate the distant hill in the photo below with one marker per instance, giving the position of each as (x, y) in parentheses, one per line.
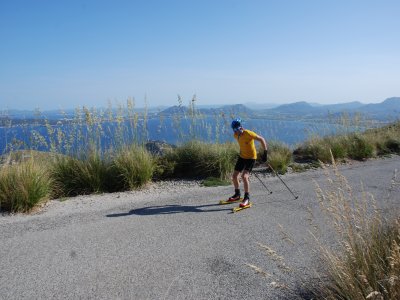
(301, 107)
(174, 110)
(389, 105)
(388, 109)
(236, 109)
(343, 106)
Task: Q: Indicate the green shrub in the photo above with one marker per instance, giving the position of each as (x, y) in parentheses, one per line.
(23, 186)
(393, 145)
(279, 157)
(164, 165)
(359, 147)
(337, 145)
(79, 176)
(219, 160)
(132, 167)
(200, 160)
(314, 150)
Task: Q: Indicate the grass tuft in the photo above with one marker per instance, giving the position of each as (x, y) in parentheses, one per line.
(79, 176)
(133, 167)
(201, 160)
(279, 156)
(23, 186)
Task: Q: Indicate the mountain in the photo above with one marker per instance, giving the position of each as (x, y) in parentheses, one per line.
(260, 106)
(174, 110)
(234, 110)
(343, 106)
(389, 104)
(388, 109)
(301, 107)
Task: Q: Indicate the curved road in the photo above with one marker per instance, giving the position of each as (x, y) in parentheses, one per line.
(175, 242)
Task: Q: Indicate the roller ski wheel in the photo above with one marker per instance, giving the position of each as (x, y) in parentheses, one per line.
(239, 208)
(224, 202)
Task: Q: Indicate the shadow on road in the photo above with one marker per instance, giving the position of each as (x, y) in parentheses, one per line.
(168, 209)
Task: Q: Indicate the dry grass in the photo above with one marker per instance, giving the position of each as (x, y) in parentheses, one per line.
(361, 258)
(365, 263)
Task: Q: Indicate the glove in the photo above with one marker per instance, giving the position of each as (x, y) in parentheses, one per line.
(264, 156)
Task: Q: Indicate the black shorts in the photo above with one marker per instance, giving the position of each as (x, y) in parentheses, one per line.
(244, 164)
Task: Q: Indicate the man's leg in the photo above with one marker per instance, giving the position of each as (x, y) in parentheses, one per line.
(246, 184)
(235, 179)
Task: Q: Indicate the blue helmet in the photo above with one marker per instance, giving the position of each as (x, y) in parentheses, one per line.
(236, 124)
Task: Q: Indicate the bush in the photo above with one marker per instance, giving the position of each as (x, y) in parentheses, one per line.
(23, 186)
(132, 167)
(79, 176)
(359, 147)
(279, 157)
(320, 149)
(313, 150)
(393, 145)
(200, 160)
(337, 145)
(164, 166)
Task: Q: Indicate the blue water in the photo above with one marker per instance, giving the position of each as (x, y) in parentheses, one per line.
(65, 138)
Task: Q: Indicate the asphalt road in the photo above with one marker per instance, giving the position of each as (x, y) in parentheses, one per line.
(176, 243)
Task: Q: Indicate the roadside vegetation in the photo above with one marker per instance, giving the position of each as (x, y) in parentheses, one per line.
(100, 151)
(359, 146)
(24, 186)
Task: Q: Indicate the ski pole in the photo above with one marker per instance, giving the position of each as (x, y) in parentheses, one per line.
(276, 173)
(255, 174)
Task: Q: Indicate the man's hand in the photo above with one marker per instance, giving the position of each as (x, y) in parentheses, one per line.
(264, 156)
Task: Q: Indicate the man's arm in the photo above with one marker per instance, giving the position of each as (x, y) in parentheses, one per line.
(264, 156)
(262, 141)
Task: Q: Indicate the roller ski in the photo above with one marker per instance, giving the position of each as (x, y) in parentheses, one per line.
(235, 198)
(245, 204)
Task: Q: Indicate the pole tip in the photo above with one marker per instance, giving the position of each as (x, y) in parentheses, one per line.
(297, 197)
(270, 193)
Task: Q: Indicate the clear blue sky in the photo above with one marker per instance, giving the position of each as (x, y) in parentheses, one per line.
(63, 54)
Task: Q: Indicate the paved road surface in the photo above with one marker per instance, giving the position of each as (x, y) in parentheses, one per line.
(173, 243)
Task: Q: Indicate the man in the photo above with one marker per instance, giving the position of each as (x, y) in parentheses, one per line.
(246, 159)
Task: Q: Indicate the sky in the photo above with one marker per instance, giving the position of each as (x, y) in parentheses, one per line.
(65, 54)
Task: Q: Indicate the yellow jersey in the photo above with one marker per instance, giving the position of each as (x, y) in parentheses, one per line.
(246, 144)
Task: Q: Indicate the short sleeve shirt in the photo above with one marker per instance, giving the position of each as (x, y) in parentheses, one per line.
(246, 144)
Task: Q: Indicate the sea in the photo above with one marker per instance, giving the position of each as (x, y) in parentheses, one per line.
(72, 137)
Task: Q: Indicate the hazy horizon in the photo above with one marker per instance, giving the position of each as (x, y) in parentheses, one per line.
(198, 104)
(62, 55)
